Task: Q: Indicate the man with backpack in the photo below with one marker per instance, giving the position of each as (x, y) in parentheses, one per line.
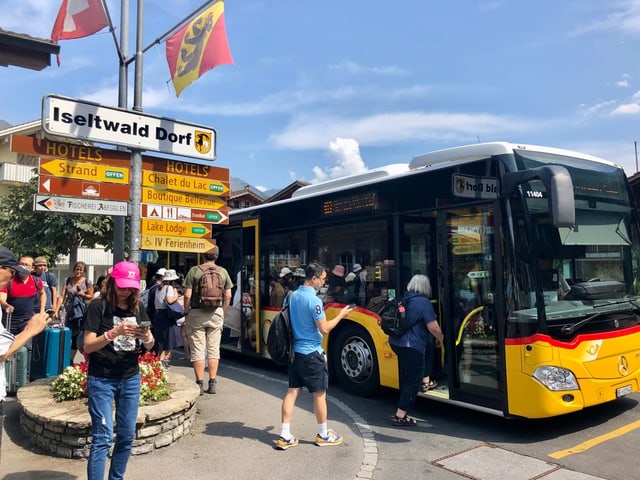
(309, 368)
(207, 296)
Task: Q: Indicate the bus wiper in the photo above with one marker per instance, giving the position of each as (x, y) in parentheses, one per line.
(569, 329)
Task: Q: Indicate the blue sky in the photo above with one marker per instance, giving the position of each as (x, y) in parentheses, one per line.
(324, 89)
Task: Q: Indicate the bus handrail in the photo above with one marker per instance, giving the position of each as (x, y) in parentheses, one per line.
(466, 320)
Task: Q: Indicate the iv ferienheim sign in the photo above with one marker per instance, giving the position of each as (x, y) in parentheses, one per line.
(90, 121)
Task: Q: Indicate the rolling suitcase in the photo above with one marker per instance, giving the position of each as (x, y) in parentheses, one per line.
(51, 352)
(16, 370)
(16, 367)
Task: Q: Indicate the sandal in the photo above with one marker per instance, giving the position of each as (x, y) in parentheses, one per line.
(405, 421)
(428, 386)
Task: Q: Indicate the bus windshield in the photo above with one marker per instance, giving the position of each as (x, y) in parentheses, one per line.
(574, 280)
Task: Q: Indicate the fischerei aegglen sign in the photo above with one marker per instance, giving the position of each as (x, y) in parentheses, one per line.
(73, 118)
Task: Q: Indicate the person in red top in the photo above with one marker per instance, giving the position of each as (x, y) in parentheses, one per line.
(18, 297)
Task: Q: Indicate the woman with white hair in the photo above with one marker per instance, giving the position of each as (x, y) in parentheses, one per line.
(410, 347)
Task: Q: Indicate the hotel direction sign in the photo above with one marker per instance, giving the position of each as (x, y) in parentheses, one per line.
(183, 183)
(175, 229)
(83, 188)
(176, 244)
(80, 119)
(50, 203)
(87, 171)
(168, 197)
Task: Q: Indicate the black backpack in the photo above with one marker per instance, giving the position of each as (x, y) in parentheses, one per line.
(393, 318)
(280, 338)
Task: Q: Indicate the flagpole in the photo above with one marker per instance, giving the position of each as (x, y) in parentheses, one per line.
(121, 55)
(175, 27)
(119, 225)
(136, 154)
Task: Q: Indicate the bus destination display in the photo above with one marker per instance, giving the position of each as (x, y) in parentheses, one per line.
(351, 204)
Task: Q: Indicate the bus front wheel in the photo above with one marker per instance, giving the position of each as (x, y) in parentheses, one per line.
(354, 361)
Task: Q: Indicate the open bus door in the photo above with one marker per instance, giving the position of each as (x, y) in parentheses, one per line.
(467, 293)
(250, 282)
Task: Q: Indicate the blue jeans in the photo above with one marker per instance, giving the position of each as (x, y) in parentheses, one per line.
(102, 393)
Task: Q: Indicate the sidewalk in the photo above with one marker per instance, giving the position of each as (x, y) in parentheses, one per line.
(232, 437)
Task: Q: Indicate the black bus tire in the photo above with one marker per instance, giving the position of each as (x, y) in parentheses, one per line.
(354, 361)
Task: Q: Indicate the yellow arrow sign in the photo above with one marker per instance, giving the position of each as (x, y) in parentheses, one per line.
(183, 183)
(176, 244)
(87, 171)
(168, 197)
(178, 229)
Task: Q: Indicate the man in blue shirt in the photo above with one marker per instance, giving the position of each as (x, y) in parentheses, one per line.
(309, 368)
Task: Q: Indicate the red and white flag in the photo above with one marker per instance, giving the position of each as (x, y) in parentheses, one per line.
(77, 19)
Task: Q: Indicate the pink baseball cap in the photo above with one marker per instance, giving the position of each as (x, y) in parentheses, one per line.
(126, 275)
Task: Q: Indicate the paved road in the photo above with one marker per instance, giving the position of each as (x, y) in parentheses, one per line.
(234, 432)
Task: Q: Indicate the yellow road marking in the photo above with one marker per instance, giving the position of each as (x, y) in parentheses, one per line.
(584, 446)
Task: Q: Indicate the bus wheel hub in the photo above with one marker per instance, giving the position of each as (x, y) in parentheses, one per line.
(356, 360)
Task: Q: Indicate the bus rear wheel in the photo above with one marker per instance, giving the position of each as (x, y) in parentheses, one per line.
(354, 361)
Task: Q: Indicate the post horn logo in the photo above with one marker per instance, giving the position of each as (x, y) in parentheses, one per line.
(203, 141)
(623, 366)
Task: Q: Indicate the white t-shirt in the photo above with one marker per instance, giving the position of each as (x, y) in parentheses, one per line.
(6, 339)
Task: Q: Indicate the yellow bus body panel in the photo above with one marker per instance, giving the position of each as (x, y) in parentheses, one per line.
(601, 364)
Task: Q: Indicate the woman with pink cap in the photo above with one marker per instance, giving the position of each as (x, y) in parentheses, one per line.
(116, 325)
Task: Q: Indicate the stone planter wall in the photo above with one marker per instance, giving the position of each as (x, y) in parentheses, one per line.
(63, 429)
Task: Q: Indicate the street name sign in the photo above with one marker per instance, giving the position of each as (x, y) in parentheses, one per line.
(88, 171)
(168, 197)
(183, 183)
(176, 244)
(82, 188)
(75, 118)
(49, 203)
(175, 229)
(184, 214)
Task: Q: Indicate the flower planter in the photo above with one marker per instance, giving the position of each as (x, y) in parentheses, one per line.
(63, 429)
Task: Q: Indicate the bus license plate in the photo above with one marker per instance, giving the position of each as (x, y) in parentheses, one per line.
(622, 391)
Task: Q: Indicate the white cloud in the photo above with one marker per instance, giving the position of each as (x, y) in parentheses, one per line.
(357, 69)
(626, 109)
(344, 153)
(261, 188)
(624, 83)
(620, 16)
(315, 131)
(598, 107)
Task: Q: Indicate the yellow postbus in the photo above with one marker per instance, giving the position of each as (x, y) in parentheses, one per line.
(531, 252)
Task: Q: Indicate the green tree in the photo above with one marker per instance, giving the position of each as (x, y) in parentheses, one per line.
(29, 232)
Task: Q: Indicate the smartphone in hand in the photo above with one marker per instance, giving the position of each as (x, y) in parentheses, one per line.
(145, 325)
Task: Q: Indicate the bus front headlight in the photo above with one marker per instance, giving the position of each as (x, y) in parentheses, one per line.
(556, 378)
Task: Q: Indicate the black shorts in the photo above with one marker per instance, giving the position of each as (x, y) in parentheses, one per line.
(309, 371)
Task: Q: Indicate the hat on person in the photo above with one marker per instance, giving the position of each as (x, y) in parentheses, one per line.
(351, 276)
(8, 259)
(284, 271)
(40, 261)
(299, 272)
(356, 267)
(170, 275)
(161, 272)
(126, 275)
(338, 271)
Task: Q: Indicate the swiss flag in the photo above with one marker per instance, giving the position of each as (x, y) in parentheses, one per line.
(77, 19)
